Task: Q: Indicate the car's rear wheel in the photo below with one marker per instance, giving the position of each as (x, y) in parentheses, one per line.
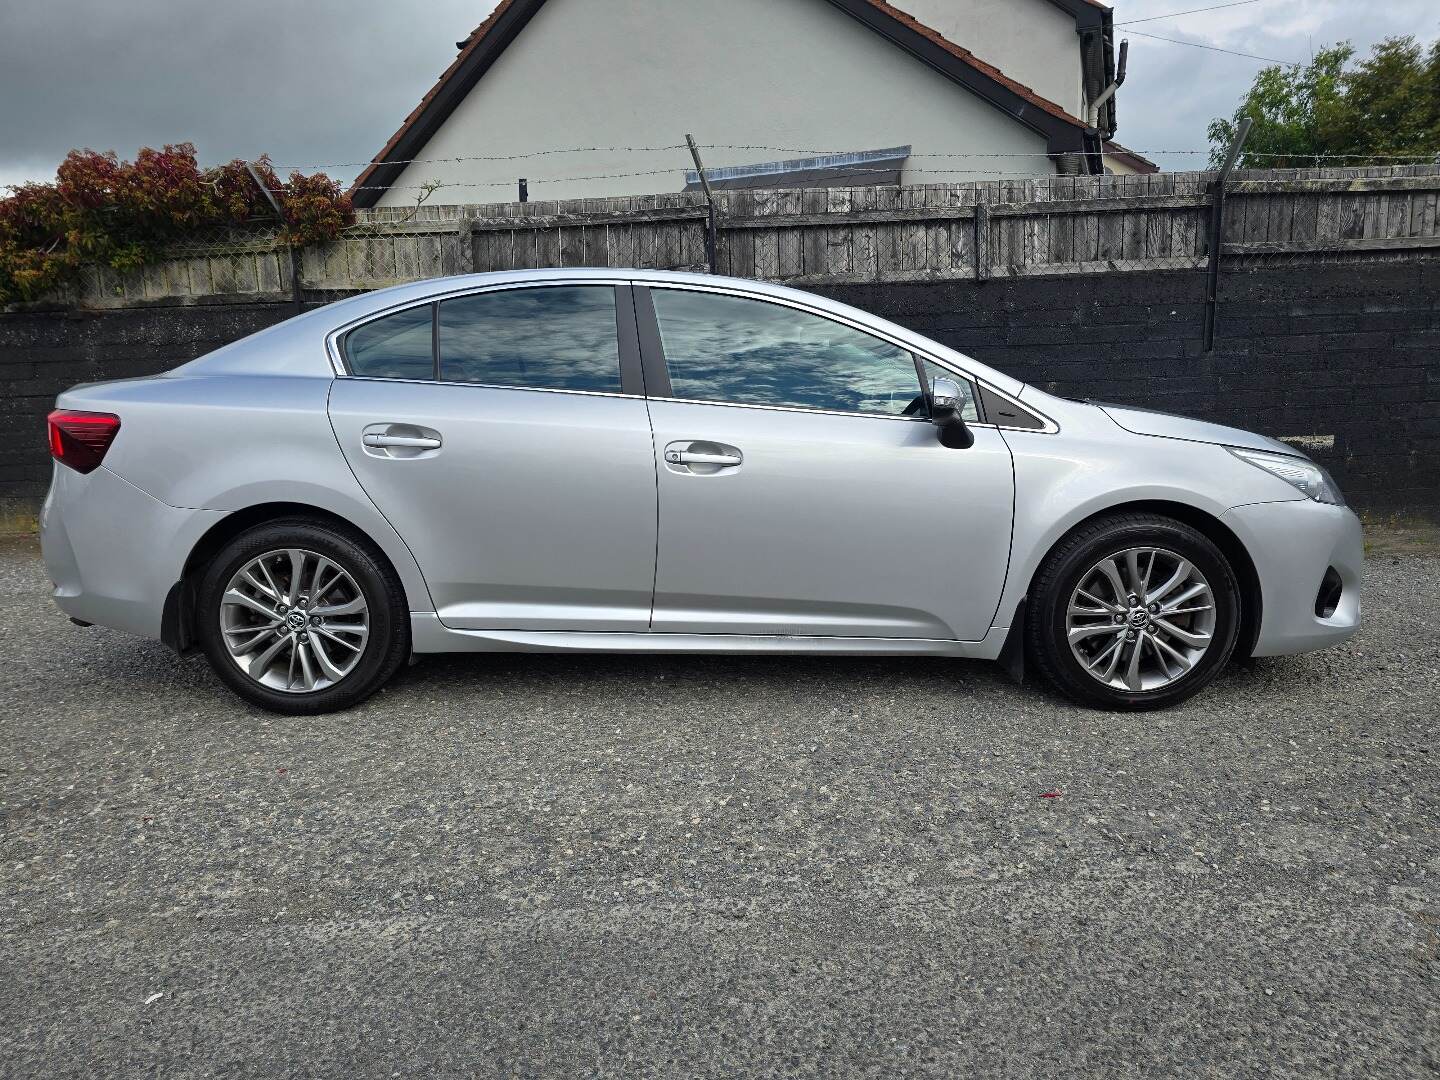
(1133, 611)
(300, 616)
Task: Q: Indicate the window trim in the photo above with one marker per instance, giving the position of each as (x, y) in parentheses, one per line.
(651, 356)
(644, 287)
(342, 338)
(434, 341)
(631, 378)
(653, 353)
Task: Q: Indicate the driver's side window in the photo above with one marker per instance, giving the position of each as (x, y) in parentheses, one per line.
(731, 349)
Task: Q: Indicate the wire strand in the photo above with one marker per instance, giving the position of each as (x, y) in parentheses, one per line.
(852, 171)
(1419, 156)
(492, 157)
(1191, 11)
(982, 173)
(1216, 48)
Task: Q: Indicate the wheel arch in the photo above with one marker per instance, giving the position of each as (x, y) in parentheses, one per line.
(178, 620)
(1203, 522)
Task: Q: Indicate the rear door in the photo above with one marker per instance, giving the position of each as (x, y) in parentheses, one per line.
(800, 492)
(505, 436)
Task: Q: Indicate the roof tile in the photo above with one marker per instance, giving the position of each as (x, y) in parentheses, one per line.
(974, 61)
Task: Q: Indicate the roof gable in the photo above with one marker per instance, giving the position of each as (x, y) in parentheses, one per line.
(1063, 132)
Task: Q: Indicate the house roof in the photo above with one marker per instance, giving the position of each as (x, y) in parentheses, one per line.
(1064, 133)
(1138, 162)
(965, 56)
(503, 12)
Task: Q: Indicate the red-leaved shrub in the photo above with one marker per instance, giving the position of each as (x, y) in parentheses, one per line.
(122, 214)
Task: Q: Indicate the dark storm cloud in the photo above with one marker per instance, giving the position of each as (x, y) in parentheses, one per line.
(303, 81)
(312, 81)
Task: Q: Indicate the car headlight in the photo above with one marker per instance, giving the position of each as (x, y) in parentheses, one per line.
(1299, 472)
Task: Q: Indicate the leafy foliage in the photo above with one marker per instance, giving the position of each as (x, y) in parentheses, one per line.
(122, 214)
(1385, 109)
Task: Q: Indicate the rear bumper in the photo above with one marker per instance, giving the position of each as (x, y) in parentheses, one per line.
(113, 552)
(1293, 544)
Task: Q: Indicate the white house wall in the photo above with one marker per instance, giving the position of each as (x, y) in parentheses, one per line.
(1032, 41)
(1119, 166)
(794, 74)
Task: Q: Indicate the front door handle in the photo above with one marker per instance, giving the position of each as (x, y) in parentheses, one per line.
(415, 442)
(691, 457)
(698, 457)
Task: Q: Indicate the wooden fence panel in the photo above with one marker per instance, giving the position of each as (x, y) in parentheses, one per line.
(1039, 226)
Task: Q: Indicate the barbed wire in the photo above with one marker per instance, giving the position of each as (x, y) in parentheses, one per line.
(841, 174)
(1419, 157)
(492, 157)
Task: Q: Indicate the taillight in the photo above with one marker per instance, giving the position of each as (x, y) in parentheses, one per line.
(80, 439)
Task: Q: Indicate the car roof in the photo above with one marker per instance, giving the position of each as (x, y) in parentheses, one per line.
(297, 346)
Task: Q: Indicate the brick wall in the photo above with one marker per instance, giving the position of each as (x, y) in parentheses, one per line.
(1351, 354)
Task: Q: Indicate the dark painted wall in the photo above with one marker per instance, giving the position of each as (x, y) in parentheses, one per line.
(1352, 353)
(42, 353)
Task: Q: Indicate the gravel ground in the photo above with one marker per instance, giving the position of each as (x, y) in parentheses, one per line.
(668, 867)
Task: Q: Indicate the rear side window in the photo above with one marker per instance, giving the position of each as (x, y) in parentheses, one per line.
(395, 347)
(558, 337)
(732, 349)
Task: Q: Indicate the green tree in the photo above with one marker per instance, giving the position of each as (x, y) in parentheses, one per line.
(1377, 110)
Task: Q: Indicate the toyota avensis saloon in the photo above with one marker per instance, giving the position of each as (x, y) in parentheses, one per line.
(643, 461)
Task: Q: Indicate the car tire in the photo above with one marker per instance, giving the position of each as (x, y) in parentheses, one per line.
(362, 616)
(1084, 626)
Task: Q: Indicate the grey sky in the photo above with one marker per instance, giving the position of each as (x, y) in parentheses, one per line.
(321, 81)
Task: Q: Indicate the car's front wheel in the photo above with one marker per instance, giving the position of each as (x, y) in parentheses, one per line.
(1133, 611)
(300, 616)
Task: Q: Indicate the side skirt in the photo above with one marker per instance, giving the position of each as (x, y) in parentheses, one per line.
(429, 635)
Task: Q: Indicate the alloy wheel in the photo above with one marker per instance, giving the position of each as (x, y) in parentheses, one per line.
(294, 620)
(1140, 619)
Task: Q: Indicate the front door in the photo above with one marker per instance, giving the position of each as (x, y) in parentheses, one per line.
(498, 435)
(800, 494)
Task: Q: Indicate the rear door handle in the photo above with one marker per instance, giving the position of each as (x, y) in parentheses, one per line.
(402, 442)
(415, 442)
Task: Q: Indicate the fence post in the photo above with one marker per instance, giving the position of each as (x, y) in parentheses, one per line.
(466, 239)
(1217, 214)
(295, 300)
(982, 241)
(712, 255)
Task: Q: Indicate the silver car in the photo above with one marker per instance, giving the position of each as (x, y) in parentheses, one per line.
(642, 461)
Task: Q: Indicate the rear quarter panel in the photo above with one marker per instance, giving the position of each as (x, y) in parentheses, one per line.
(229, 442)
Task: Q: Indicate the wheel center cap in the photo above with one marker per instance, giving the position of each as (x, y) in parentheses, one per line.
(1139, 617)
(295, 620)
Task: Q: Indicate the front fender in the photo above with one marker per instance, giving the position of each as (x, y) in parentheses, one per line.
(1065, 479)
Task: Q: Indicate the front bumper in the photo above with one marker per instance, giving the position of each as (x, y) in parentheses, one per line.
(112, 551)
(1293, 544)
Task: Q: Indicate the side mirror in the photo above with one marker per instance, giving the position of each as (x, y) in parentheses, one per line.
(946, 400)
